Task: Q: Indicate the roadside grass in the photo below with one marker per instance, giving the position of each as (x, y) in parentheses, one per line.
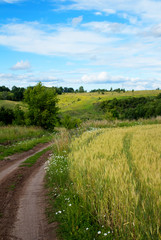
(29, 162)
(105, 184)
(11, 134)
(65, 205)
(23, 146)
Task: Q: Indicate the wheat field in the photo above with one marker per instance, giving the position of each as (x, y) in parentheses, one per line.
(117, 172)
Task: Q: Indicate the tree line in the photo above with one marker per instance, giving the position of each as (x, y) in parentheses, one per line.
(132, 107)
(17, 93)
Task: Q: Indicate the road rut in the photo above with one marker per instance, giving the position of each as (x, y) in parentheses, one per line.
(16, 160)
(31, 220)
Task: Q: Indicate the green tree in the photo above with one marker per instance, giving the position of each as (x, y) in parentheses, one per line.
(81, 89)
(43, 108)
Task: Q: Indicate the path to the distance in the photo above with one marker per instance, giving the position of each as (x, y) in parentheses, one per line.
(31, 220)
(14, 161)
(26, 206)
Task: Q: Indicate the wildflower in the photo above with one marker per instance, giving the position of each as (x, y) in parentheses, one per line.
(87, 229)
(99, 232)
(70, 205)
(105, 234)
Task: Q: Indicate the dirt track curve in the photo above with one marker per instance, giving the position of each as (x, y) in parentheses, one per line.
(22, 201)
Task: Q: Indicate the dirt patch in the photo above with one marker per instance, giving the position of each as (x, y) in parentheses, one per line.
(8, 166)
(19, 156)
(13, 190)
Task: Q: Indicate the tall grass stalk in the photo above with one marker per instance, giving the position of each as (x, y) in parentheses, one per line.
(117, 173)
(10, 134)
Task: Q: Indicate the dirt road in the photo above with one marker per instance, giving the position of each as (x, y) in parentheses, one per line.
(14, 161)
(22, 203)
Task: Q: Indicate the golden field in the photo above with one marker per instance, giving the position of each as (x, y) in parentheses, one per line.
(117, 172)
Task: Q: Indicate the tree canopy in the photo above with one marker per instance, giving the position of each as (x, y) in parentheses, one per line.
(43, 108)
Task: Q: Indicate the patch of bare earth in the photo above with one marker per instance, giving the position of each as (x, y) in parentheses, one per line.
(23, 203)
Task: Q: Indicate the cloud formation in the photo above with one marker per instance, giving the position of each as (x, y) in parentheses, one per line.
(22, 65)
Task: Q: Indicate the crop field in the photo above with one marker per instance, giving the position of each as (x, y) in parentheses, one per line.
(117, 173)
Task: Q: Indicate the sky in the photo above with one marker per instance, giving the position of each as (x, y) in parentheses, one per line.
(89, 43)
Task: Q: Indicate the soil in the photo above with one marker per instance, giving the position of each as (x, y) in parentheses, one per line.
(23, 200)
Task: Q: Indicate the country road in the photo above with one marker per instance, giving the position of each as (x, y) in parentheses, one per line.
(23, 201)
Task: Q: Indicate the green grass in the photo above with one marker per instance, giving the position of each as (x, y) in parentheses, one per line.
(65, 205)
(23, 146)
(11, 134)
(81, 105)
(29, 162)
(12, 104)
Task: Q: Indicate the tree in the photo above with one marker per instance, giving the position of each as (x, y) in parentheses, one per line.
(43, 108)
(81, 89)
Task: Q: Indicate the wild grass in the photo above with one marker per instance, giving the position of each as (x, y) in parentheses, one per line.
(65, 205)
(94, 124)
(22, 146)
(117, 174)
(81, 105)
(12, 104)
(10, 134)
(29, 162)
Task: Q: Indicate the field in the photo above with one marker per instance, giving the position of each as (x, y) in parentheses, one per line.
(12, 104)
(117, 173)
(81, 105)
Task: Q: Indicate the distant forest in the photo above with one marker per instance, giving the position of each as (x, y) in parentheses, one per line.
(17, 93)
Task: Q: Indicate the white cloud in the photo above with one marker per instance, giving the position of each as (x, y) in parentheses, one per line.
(77, 20)
(63, 40)
(147, 10)
(31, 79)
(21, 65)
(98, 13)
(104, 77)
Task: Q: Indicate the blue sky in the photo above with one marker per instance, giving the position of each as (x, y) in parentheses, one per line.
(94, 43)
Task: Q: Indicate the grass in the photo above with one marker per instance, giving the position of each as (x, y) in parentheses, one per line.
(29, 162)
(12, 104)
(81, 105)
(65, 205)
(117, 174)
(23, 146)
(94, 124)
(11, 134)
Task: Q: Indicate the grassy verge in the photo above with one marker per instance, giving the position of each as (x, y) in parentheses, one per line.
(106, 184)
(29, 162)
(11, 134)
(76, 221)
(23, 146)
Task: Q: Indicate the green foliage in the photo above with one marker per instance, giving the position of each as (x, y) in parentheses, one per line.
(23, 146)
(6, 115)
(70, 123)
(43, 108)
(132, 108)
(29, 162)
(11, 134)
